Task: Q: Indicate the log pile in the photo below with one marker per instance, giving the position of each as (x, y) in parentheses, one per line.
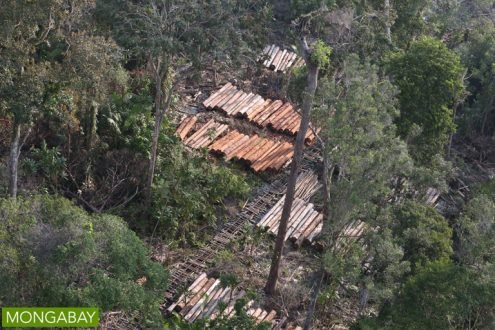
(260, 153)
(305, 223)
(278, 59)
(306, 185)
(205, 135)
(203, 297)
(280, 116)
(186, 126)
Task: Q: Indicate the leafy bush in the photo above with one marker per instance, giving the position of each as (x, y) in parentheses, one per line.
(126, 122)
(441, 296)
(188, 191)
(47, 162)
(428, 75)
(55, 254)
(321, 54)
(302, 7)
(423, 233)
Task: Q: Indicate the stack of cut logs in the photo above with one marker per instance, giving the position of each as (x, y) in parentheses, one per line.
(186, 126)
(306, 185)
(203, 297)
(260, 153)
(206, 134)
(305, 223)
(281, 116)
(278, 59)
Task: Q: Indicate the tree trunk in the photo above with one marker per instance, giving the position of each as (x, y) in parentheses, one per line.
(92, 126)
(328, 233)
(388, 33)
(291, 184)
(327, 180)
(161, 72)
(363, 298)
(312, 306)
(14, 160)
(154, 140)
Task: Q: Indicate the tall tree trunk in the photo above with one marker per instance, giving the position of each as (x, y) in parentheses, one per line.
(327, 179)
(92, 126)
(388, 23)
(328, 232)
(312, 306)
(154, 140)
(161, 72)
(291, 184)
(14, 159)
(363, 298)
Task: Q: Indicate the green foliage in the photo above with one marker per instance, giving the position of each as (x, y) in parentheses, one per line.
(320, 54)
(477, 55)
(409, 22)
(441, 296)
(341, 267)
(153, 28)
(47, 162)
(303, 7)
(55, 254)
(229, 280)
(23, 74)
(125, 122)
(356, 115)
(428, 75)
(423, 234)
(22, 94)
(295, 83)
(476, 231)
(189, 192)
(224, 256)
(387, 267)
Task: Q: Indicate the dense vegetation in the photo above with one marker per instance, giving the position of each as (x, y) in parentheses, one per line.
(55, 254)
(93, 177)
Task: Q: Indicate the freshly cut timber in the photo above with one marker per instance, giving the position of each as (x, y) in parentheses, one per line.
(185, 126)
(305, 223)
(206, 134)
(280, 116)
(278, 59)
(260, 153)
(204, 297)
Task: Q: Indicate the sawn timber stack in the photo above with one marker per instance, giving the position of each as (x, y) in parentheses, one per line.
(203, 298)
(260, 153)
(279, 60)
(280, 116)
